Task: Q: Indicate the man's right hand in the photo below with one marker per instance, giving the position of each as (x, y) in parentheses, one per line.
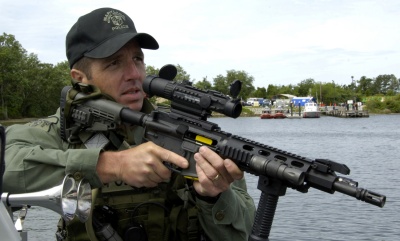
(140, 166)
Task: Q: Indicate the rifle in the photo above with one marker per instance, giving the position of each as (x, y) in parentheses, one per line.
(183, 128)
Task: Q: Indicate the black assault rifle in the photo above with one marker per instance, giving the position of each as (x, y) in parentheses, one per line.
(183, 128)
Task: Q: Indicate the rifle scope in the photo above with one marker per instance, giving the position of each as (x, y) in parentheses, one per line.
(190, 99)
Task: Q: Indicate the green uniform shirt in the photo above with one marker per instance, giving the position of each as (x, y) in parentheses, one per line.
(38, 159)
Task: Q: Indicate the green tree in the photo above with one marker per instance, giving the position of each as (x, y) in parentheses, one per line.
(34, 86)
(329, 92)
(365, 86)
(41, 86)
(53, 80)
(305, 87)
(11, 58)
(182, 74)
(204, 84)
(393, 104)
(28, 87)
(272, 90)
(260, 92)
(377, 85)
(62, 73)
(290, 89)
(388, 84)
(151, 70)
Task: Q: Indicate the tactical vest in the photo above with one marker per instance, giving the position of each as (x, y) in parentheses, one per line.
(166, 212)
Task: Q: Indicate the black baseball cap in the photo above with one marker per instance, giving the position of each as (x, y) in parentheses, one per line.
(101, 33)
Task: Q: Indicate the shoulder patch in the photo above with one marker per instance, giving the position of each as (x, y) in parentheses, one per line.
(44, 124)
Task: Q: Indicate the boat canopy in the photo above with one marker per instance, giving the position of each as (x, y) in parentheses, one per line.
(302, 100)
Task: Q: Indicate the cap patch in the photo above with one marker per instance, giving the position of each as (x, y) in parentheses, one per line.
(116, 18)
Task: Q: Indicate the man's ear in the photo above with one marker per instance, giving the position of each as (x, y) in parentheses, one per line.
(77, 75)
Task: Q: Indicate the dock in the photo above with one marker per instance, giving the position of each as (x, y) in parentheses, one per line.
(344, 113)
(339, 111)
(289, 115)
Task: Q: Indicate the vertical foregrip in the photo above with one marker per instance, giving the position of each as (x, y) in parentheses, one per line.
(264, 217)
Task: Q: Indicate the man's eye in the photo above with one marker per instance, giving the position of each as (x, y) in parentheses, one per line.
(114, 62)
(138, 59)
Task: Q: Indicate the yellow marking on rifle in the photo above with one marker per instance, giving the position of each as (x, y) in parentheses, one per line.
(204, 140)
(191, 178)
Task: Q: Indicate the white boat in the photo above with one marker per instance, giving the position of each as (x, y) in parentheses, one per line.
(311, 110)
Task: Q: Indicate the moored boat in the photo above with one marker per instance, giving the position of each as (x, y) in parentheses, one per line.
(311, 110)
(278, 114)
(267, 116)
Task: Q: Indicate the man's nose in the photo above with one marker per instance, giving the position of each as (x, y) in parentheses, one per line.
(133, 71)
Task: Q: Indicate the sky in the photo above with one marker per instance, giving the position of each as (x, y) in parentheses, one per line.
(277, 42)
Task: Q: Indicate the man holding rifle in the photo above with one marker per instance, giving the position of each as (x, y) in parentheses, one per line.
(104, 49)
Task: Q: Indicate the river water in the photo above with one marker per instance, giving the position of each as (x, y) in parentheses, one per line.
(368, 146)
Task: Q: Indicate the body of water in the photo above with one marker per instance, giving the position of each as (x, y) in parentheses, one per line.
(368, 146)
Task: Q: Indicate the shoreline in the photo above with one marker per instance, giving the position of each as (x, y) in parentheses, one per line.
(26, 120)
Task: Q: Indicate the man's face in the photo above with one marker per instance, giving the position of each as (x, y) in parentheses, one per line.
(121, 75)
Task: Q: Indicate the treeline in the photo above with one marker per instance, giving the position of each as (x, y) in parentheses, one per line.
(380, 94)
(30, 88)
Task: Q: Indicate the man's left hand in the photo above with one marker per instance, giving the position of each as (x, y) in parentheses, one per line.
(214, 173)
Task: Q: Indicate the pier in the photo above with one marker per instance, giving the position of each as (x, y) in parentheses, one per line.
(344, 113)
(339, 111)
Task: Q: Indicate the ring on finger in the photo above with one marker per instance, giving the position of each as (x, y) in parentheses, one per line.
(215, 178)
